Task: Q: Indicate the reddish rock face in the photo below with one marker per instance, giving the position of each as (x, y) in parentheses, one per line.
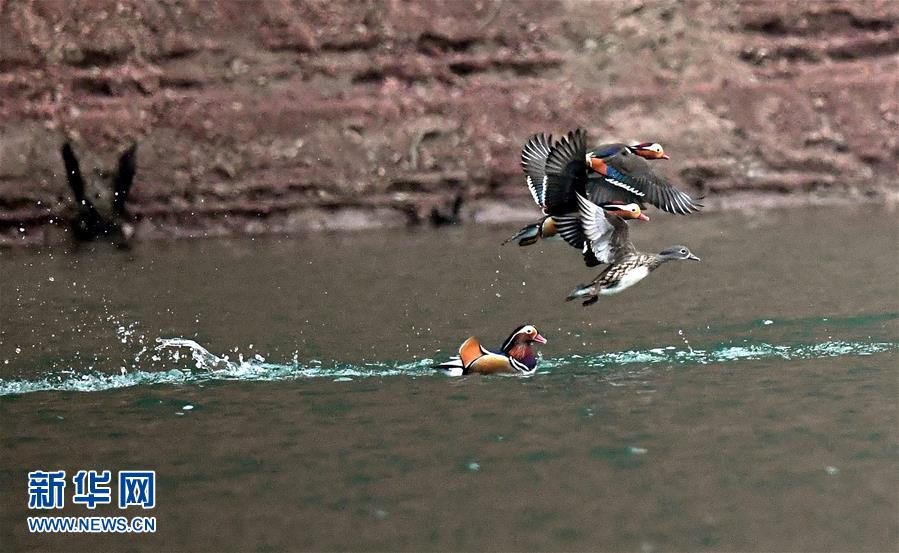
(392, 113)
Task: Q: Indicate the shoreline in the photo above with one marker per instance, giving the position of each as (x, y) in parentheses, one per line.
(348, 219)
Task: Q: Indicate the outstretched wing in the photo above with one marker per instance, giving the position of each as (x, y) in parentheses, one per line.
(632, 173)
(124, 178)
(620, 241)
(569, 228)
(566, 173)
(607, 235)
(73, 174)
(533, 161)
(602, 192)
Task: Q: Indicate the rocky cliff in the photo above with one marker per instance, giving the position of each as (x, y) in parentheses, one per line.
(287, 116)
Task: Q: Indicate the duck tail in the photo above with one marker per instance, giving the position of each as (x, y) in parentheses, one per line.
(453, 367)
(527, 236)
(584, 291)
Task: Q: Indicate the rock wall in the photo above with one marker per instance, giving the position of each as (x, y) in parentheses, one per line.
(286, 116)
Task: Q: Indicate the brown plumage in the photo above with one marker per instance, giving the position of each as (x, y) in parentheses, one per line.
(627, 266)
(516, 355)
(627, 173)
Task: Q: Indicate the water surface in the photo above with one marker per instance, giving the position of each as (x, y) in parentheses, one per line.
(747, 402)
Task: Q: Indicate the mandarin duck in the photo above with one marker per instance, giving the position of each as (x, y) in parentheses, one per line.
(611, 173)
(102, 215)
(561, 219)
(627, 266)
(627, 177)
(516, 355)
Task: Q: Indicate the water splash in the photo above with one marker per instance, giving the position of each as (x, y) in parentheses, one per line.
(210, 367)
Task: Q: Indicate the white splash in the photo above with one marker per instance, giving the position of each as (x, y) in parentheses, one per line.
(205, 366)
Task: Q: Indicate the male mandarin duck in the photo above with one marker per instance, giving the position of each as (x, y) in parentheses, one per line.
(610, 173)
(627, 266)
(516, 355)
(629, 178)
(543, 174)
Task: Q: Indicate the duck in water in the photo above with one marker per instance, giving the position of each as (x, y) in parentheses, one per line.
(516, 355)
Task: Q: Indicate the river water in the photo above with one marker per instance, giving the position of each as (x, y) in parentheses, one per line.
(281, 389)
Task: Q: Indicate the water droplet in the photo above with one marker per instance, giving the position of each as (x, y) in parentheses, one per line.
(187, 407)
(767, 322)
(831, 470)
(474, 467)
(637, 450)
(51, 279)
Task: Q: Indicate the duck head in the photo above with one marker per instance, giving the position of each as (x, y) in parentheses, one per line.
(519, 344)
(677, 252)
(649, 150)
(625, 211)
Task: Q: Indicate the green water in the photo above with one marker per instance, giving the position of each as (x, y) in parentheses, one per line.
(747, 402)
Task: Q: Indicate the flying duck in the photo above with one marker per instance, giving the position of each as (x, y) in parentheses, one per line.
(516, 355)
(561, 217)
(629, 178)
(627, 266)
(106, 218)
(610, 173)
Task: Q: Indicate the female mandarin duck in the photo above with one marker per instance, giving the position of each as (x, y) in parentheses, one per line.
(516, 355)
(627, 266)
(546, 166)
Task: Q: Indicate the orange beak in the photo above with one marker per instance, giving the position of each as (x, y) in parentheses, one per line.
(643, 217)
(539, 339)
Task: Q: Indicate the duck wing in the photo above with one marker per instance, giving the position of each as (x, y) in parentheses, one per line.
(74, 178)
(533, 161)
(606, 235)
(470, 351)
(124, 178)
(630, 172)
(566, 173)
(600, 191)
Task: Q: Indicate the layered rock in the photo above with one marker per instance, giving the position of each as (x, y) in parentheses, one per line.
(287, 116)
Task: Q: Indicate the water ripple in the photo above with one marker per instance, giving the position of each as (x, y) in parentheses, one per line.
(210, 367)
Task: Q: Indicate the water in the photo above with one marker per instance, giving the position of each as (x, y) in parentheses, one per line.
(281, 389)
